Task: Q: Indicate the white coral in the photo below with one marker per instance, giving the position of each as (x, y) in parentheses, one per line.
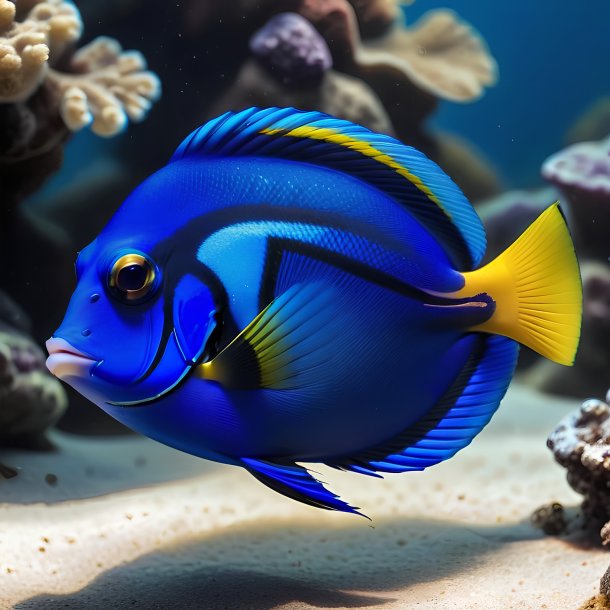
(107, 84)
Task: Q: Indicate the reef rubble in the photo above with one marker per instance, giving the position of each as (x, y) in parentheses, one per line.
(581, 444)
(31, 400)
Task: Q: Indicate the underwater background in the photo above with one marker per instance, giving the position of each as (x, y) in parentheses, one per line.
(512, 100)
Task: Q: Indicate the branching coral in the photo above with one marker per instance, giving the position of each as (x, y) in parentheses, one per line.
(105, 86)
(26, 46)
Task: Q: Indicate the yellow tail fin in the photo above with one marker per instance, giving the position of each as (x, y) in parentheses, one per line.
(536, 286)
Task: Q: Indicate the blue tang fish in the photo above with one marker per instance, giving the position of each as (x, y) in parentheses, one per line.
(292, 287)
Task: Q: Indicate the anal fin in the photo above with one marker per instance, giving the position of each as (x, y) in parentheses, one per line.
(297, 483)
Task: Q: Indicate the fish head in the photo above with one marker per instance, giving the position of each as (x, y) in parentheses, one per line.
(135, 325)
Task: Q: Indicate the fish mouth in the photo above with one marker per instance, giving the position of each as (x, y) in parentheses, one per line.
(66, 361)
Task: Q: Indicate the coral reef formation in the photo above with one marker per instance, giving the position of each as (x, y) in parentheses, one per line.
(106, 86)
(26, 45)
(582, 173)
(581, 444)
(440, 54)
(31, 399)
(385, 75)
(99, 85)
(47, 91)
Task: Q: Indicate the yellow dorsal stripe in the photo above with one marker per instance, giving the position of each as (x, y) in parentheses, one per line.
(330, 135)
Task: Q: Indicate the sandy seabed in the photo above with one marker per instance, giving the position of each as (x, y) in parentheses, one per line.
(129, 523)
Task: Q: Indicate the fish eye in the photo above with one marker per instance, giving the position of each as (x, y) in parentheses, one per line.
(132, 278)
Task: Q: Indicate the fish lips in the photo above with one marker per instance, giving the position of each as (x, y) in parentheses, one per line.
(66, 361)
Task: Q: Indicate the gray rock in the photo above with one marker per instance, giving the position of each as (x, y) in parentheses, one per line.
(31, 399)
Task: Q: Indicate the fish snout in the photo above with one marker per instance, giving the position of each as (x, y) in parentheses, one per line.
(65, 360)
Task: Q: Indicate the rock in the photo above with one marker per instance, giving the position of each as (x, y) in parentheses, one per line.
(581, 444)
(550, 518)
(31, 400)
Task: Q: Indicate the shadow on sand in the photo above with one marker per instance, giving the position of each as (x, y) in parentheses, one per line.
(271, 565)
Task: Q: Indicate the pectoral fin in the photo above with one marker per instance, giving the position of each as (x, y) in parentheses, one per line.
(283, 345)
(193, 316)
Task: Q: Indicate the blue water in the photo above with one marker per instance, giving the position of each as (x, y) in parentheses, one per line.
(553, 60)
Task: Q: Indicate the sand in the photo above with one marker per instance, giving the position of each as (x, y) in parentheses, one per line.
(132, 524)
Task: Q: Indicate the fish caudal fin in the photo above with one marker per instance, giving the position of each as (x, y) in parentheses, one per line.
(537, 289)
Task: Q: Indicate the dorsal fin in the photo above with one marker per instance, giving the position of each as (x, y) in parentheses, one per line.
(400, 171)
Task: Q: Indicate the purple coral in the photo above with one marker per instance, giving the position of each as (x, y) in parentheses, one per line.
(582, 173)
(292, 49)
(581, 444)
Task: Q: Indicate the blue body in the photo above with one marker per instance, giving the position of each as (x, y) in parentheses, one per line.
(233, 233)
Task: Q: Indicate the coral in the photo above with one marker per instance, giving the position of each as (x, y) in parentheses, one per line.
(105, 85)
(31, 400)
(581, 444)
(225, 28)
(26, 46)
(440, 54)
(582, 173)
(46, 91)
(292, 49)
(408, 68)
